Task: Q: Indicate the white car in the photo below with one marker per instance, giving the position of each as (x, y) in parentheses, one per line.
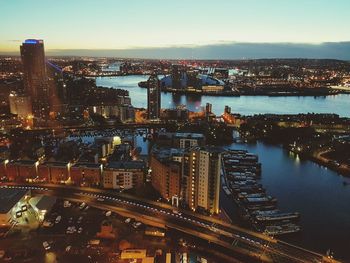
(128, 220)
(82, 205)
(136, 224)
(108, 213)
(80, 230)
(46, 245)
(71, 230)
(58, 219)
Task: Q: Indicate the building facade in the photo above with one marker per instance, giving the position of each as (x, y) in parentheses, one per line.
(166, 176)
(86, 174)
(35, 76)
(123, 175)
(20, 105)
(21, 170)
(54, 172)
(201, 178)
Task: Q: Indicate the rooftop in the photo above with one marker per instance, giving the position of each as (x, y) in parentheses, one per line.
(87, 165)
(126, 165)
(181, 135)
(23, 162)
(57, 164)
(9, 197)
(46, 202)
(33, 41)
(165, 153)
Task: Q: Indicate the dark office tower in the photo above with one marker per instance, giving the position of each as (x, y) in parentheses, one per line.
(208, 108)
(153, 97)
(35, 76)
(176, 74)
(192, 79)
(227, 110)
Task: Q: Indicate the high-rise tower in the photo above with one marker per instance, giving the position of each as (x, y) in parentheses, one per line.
(153, 97)
(201, 178)
(35, 76)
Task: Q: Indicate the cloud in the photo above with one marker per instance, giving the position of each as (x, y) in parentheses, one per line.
(226, 50)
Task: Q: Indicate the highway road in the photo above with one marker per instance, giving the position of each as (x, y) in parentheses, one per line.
(231, 238)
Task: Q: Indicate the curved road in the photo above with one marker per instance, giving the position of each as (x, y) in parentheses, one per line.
(231, 238)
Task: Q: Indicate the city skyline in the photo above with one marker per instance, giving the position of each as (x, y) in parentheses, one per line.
(174, 131)
(126, 26)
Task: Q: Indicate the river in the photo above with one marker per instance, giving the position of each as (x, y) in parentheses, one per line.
(300, 186)
(245, 105)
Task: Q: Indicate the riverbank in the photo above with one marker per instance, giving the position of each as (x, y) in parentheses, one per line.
(340, 169)
(271, 92)
(317, 193)
(319, 158)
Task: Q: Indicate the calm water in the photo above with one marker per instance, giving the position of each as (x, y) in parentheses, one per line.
(316, 192)
(246, 105)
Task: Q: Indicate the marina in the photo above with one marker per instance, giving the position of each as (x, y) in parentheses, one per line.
(241, 174)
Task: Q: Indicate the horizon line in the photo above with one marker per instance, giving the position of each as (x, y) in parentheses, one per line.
(218, 43)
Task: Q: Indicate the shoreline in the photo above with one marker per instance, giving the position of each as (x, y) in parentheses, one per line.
(306, 92)
(320, 161)
(252, 94)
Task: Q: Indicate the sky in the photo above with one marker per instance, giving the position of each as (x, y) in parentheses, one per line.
(130, 24)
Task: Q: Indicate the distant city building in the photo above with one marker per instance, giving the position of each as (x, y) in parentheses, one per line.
(192, 80)
(35, 76)
(20, 105)
(201, 178)
(176, 76)
(208, 108)
(227, 110)
(153, 97)
(179, 113)
(120, 108)
(180, 139)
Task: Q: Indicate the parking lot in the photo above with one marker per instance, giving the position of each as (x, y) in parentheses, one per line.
(68, 234)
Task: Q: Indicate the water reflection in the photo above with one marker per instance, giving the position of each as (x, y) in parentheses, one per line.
(246, 105)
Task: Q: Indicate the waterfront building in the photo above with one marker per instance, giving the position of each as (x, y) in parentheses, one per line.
(85, 174)
(120, 107)
(21, 170)
(178, 114)
(180, 139)
(201, 178)
(176, 76)
(166, 175)
(227, 110)
(35, 76)
(208, 108)
(53, 172)
(124, 175)
(153, 97)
